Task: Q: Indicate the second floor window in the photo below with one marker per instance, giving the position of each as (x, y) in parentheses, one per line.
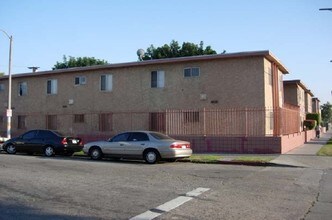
(52, 86)
(22, 88)
(191, 72)
(158, 79)
(80, 80)
(106, 82)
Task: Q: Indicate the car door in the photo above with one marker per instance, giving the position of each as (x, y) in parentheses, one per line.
(117, 145)
(138, 142)
(25, 142)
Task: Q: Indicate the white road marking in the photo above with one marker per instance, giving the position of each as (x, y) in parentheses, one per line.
(168, 206)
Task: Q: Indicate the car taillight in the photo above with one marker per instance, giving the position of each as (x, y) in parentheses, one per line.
(64, 141)
(181, 146)
(81, 142)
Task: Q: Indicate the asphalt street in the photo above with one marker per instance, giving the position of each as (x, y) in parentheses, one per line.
(34, 187)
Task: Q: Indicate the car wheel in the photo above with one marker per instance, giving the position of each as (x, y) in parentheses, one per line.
(11, 149)
(96, 154)
(151, 156)
(49, 151)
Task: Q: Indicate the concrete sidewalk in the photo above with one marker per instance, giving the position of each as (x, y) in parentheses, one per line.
(313, 146)
(305, 155)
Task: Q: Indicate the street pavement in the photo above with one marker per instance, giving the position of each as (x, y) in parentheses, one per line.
(305, 156)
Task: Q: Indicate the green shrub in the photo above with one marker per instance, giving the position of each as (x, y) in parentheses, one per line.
(314, 116)
(310, 124)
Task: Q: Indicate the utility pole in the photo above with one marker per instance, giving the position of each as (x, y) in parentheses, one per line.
(9, 109)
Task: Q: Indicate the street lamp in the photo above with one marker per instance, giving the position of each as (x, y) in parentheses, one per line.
(325, 9)
(9, 109)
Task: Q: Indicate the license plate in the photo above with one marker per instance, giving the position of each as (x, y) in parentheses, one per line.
(184, 147)
(74, 141)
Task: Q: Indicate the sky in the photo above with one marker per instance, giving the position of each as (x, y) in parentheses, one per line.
(294, 31)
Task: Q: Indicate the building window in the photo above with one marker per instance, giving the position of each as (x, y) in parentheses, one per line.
(79, 118)
(157, 121)
(2, 87)
(190, 117)
(106, 83)
(191, 72)
(51, 122)
(52, 86)
(157, 79)
(80, 80)
(21, 122)
(22, 89)
(105, 122)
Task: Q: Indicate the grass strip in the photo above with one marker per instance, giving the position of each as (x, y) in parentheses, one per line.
(203, 158)
(254, 159)
(326, 150)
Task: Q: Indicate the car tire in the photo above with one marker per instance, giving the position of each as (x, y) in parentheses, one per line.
(49, 151)
(11, 149)
(151, 156)
(95, 153)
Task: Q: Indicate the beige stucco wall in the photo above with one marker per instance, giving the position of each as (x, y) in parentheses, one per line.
(238, 82)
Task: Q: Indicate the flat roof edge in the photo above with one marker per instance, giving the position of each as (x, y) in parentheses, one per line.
(264, 53)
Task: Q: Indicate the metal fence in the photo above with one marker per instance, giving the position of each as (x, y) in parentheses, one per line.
(222, 122)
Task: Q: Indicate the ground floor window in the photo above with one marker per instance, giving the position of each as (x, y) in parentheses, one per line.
(157, 121)
(21, 122)
(51, 122)
(191, 116)
(105, 122)
(79, 118)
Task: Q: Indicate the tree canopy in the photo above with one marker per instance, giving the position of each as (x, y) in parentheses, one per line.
(78, 62)
(326, 110)
(175, 50)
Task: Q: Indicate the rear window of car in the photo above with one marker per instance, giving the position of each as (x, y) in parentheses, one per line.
(161, 136)
(138, 136)
(46, 134)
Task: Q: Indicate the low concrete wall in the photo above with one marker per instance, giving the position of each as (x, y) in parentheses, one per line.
(240, 145)
(247, 145)
(292, 141)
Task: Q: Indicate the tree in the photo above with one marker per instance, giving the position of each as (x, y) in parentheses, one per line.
(174, 50)
(78, 62)
(326, 110)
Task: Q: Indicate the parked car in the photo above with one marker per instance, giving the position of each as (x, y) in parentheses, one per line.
(2, 140)
(148, 145)
(43, 141)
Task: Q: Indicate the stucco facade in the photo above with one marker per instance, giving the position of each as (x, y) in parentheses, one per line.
(82, 95)
(296, 93)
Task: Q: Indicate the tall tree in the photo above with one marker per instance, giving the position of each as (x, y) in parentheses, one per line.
(326, 110)
(174, 50)
(78, 62)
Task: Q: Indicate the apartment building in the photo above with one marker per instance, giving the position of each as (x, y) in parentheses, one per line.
(296, 93)
(103, 100)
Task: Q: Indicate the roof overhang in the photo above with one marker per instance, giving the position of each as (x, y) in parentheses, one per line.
(266, 54)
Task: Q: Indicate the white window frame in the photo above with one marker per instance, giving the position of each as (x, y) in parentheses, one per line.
(22, 88)
(81, 80)
(160, 79)
(108, 82)
(191, 72)
(54, 87)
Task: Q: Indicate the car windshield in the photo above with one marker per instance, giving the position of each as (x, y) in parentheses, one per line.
(160, 136)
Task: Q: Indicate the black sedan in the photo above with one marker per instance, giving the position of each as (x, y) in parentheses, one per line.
(43, 141)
